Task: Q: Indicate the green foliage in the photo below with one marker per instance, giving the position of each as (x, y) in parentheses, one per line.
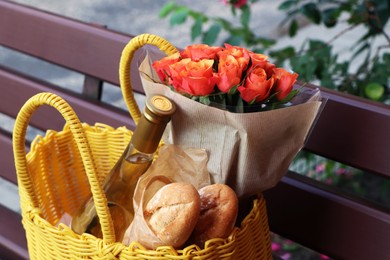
(315, 61)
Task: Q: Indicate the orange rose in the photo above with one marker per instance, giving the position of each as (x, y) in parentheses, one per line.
(240, 54)
(229, 72)
(284, 82)
(195, 78)
(260, 60)
(256, 87)
(162, 66)
(198, 52)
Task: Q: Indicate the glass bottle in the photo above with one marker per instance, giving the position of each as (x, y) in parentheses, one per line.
(120, 184)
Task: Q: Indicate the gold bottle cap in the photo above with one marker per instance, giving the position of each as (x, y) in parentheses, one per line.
(151, 126)
(161, 103)
(159, 108)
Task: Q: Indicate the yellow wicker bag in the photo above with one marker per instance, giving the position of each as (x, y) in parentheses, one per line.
(63, 168)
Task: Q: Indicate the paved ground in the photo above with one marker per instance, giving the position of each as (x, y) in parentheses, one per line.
(136, 17)
(141, 16)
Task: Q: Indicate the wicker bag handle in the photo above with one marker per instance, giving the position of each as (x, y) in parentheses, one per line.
(24, 178)
(125, 62)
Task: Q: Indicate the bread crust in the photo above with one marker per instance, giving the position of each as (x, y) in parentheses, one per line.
(218, 213)
(173, 212)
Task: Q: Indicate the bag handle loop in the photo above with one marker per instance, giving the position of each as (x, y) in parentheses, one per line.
(76, 128)
(125, 63)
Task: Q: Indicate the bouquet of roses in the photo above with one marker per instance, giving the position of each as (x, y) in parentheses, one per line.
(233, 77)
(214, 89)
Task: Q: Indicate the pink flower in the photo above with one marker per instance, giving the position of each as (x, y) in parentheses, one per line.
(235, 3)
(286, 256)
(320, 167)
(276, 246)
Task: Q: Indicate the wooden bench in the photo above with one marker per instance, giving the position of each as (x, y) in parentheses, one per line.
(350, 130)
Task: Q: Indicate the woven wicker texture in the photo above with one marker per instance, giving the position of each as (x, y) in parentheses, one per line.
(63, 168)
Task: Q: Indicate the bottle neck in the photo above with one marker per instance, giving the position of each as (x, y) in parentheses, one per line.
(147, 135)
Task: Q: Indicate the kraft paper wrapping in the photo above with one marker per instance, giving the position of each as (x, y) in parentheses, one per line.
(250, 152)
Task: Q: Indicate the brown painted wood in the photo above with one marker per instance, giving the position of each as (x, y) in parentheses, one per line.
(13, 244)
(69, 43)
(88, 110)
(328, 221)
(354, 131)
(82, 47)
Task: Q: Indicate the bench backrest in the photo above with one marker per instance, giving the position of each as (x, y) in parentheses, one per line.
(350, 130)
(353, 131)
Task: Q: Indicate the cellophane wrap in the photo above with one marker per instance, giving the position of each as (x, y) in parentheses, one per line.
(173, 164)
(250, 152)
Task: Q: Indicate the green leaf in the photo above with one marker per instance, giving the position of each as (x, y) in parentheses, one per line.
(233, 90)
(328, 82)
(196, 29)
(290, 96)
(266, 42)
(292, 30)
(287, 5)
(179, 16)
(233, 10)
(167, 8)
(330, 16)
(374, 91)
(234, 40)
(212, 34)
(311, 11)
(290, 246)
(245, 15)
(305, 66)
(253, 101)
(283, 54)
(205, 100)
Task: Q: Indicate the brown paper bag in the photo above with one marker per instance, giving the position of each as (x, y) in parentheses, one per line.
(250, 152)
(173, 164)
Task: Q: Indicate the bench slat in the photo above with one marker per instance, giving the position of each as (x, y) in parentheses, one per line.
(13, 242)
(326, 221)
(352, 130)
(43, 34)
(89, 49)
(89, 111)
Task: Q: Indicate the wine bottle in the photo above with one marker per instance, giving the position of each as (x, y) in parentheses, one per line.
(120, 183)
